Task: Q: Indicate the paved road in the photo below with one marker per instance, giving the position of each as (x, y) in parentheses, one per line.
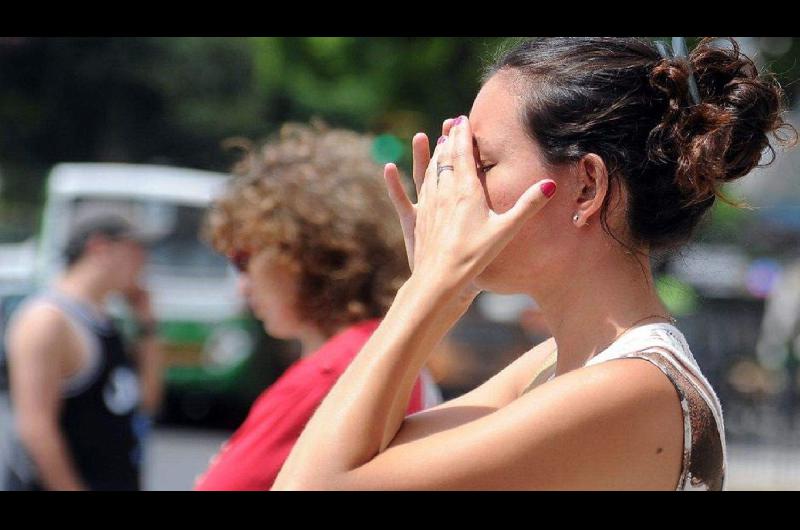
(174, 457)
(752, 467)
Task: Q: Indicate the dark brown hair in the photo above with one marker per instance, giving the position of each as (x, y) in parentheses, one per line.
(618, 98)
(316, 199)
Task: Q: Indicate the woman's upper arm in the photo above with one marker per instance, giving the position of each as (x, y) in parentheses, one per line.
(613, 425)
(497, 392)
(506, 385)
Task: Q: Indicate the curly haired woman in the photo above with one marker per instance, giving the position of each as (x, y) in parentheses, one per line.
(309, 227)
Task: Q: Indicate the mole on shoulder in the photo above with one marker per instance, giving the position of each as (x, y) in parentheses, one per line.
(659, 450)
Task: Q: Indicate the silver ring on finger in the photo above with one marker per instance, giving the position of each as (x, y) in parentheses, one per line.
(440, 169)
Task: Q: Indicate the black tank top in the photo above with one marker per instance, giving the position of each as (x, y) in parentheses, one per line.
(99, 417)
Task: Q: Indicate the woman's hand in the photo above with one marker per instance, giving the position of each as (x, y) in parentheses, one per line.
(455, 233)
(406, 210)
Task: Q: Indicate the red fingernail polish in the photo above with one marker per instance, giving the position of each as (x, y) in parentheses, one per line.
(441, 139)
(549, 188)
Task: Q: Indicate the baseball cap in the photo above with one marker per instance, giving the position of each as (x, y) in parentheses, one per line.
(112, 226)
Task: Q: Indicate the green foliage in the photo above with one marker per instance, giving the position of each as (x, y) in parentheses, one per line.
(174, 100)
(679, 297)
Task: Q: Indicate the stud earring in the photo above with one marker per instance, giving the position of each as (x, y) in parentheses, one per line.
(576, 217)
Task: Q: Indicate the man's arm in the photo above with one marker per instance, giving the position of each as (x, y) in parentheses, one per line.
(149, 356)
(38, 344)
(150, 367)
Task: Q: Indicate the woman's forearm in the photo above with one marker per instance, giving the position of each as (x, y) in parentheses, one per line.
(365, 408)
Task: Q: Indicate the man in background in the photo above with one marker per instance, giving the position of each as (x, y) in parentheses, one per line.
(79, 401)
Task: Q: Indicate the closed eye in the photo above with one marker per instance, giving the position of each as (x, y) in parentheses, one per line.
(487, 167)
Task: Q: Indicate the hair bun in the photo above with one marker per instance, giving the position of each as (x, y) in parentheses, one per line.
(724, 136)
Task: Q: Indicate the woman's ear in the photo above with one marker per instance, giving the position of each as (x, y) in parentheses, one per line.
(592, 177)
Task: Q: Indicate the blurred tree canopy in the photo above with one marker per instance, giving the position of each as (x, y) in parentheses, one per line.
(174, 100)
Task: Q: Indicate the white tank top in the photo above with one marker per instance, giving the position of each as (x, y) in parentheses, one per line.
(704, 452)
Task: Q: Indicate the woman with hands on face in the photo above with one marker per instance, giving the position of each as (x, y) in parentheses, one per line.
(579, 159)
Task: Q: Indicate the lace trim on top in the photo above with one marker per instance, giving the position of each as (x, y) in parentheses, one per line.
(704, 463)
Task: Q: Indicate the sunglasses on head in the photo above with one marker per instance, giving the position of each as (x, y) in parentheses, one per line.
(239, 260)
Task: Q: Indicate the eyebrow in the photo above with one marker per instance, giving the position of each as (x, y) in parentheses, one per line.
(477, 141)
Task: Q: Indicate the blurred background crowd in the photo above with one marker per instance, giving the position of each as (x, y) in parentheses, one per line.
(150, 127)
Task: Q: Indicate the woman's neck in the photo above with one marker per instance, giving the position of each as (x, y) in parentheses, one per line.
(599, 301)
(311, 339)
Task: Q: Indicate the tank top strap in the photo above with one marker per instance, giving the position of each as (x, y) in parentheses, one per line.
(663, 345)
(79, 311)
(667, 341)
(704, 460)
